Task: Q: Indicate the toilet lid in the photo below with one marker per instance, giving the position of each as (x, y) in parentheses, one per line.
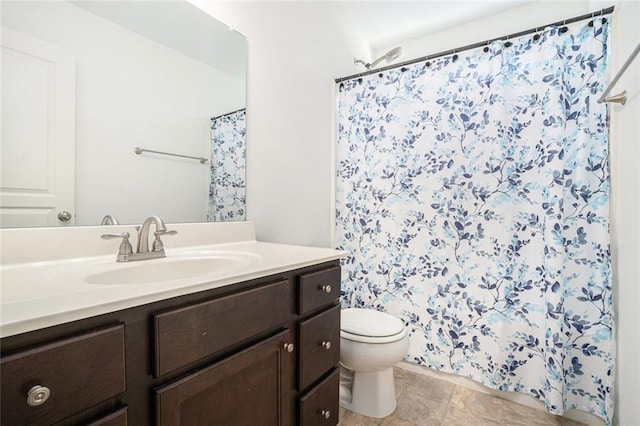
(370, 323)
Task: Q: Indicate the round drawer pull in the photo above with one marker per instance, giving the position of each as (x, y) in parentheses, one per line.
(326, 345)
(289, 347)
(326, 288)
(325, 414)
(38, 395)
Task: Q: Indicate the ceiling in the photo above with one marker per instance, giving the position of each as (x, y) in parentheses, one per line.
(379, 24)
(383, 23)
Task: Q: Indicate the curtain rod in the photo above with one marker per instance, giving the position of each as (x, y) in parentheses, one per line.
(229, 113)
(602, 12)
(620, 98)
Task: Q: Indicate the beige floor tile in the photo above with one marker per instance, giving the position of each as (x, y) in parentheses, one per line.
(478, 403)
(419, 411)
(426, 401)
(458, 417)
(520, 415)
(349, 418)
(431, 388)
(402, 379)
(394, 421)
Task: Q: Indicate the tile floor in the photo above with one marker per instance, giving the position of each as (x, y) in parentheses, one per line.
(426, 401)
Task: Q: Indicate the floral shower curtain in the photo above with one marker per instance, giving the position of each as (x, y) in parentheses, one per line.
(227, 193)
(472, 193)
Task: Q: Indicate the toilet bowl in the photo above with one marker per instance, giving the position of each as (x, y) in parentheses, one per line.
(371, 343)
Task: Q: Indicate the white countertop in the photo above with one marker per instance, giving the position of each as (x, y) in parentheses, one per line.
(43, 293)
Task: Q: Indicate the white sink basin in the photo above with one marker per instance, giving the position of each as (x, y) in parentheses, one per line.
(168, 269)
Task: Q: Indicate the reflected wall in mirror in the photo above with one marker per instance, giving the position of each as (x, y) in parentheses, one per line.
(85, 83)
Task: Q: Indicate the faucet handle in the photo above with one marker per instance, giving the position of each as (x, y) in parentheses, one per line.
(114, 236)
(157, 242)
(125, 247)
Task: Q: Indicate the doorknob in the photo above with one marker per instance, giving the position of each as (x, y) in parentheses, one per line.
(64, 216)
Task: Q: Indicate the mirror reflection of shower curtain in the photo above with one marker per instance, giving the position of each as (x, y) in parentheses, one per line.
(227, 192)
(473, 196)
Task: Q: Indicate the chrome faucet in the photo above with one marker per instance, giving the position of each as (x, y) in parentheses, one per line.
(125, 252)
(143, 235)
(109, 220)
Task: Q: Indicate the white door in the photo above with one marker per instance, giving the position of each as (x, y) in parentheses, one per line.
(38, 132)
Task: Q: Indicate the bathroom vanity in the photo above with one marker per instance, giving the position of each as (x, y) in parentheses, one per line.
(258, 345)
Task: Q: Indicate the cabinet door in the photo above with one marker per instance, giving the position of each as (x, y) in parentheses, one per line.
(249, 388)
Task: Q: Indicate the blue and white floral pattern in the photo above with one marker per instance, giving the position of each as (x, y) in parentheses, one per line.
(473, 195)
(227, 192)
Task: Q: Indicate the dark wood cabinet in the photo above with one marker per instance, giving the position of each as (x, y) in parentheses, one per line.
(115, 418)
(188, 334)
(318, 289)
(319, 347)
(50, 382)
(321, 405)
(264, 351)
(245, 389)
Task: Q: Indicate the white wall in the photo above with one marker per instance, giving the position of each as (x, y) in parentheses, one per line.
(131, 91)
(295, 51)
(625, 176)
(510, 21)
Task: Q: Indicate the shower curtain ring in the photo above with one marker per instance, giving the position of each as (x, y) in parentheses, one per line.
(536, 36)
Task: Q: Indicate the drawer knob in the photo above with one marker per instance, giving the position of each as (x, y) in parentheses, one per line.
(326, 288)
(289, 347)
(38, 395)
(326, 345)
(325, 414)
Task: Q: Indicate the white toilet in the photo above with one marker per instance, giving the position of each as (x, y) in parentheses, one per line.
(371, 343)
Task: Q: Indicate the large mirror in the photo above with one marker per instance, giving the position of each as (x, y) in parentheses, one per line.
(85, 83)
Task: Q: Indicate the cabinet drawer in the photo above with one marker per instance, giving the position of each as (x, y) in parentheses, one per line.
(79, 372)
(245, 389)
(319, 346)
(320, 406)
(188, 334)
(318, 289)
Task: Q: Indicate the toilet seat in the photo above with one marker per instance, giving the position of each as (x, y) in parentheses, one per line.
(370, 326)
(369, 339)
